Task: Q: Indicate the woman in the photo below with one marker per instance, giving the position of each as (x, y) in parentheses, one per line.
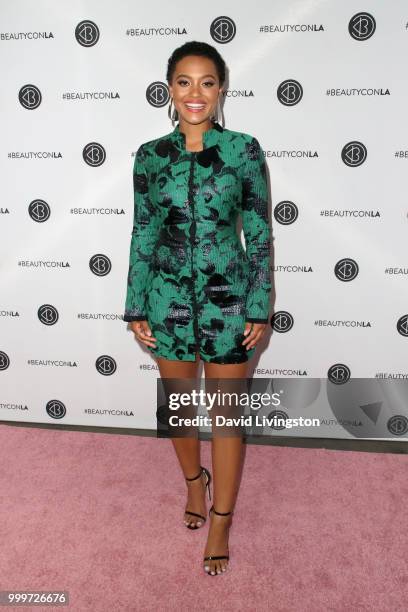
(193, 292)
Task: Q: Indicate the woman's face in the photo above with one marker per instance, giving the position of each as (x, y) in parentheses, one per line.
(195, 88)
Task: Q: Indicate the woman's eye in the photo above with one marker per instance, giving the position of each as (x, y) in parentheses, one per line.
(183, 81)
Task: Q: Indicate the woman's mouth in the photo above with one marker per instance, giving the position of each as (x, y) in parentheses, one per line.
(194, 107)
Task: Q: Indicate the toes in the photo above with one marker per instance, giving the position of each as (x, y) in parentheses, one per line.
(193, 523)
(189, 521)
(215, 567)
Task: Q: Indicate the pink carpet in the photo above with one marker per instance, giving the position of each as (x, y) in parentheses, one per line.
(100, 516)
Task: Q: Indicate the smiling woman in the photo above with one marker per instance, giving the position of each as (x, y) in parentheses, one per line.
(192, 289)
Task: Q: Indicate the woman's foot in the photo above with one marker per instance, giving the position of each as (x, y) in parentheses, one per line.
(217, 543)
(196, 501)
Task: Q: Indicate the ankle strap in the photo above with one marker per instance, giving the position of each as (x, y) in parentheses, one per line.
(220, 513)
(198, 475)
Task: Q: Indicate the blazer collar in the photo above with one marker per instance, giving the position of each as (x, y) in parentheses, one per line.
(210, 136)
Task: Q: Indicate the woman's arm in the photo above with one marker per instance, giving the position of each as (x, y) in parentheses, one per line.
(144, 236)
(255, 225)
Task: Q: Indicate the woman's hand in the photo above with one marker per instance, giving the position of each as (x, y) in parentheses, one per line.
(143, 332)
(253, 333)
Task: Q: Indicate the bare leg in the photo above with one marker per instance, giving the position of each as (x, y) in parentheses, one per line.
(187, 449)
(226, 463)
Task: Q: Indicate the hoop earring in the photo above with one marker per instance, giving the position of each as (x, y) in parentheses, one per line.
(218, 117)
(173, 116)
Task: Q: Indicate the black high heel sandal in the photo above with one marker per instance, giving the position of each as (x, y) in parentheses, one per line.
(217, 557)
(207, 484)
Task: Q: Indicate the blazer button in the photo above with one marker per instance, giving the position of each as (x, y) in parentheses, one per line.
(196, 241)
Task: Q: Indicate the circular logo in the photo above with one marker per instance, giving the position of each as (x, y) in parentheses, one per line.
(39, 211)
(29, 97)
(282, 321)
(48, 314)
(105, 365)
(94, 154)
(278, 414)
(361, 26)
(338, 374)
(157, 94)
(354, 154)
(346, 269)
(55, 409)
(398, 425)
(402, 325)
(163, 414)
(289, 92)
(100, 264)
(4, 361)
(286, 212)
(222, 29)
(87, 33)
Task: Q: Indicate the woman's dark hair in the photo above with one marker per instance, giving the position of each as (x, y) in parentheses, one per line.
(194, 47)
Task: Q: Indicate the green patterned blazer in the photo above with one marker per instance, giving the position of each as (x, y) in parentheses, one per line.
(189, 275)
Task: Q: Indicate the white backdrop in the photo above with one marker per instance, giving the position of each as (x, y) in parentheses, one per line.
(320, 84)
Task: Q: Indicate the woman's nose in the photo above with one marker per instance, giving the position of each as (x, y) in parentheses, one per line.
(195, 89)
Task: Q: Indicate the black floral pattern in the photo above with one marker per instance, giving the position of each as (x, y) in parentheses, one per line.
(189, 275)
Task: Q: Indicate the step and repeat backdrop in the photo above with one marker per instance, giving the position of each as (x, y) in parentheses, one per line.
(320, 84)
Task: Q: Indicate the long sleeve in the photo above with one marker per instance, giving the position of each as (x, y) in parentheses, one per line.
(143, 240)
(255, 225)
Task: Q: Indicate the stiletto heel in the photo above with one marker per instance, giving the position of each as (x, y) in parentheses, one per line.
(207, 474)
(217, 557)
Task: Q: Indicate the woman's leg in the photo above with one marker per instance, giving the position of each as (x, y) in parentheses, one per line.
(226, 464)
(187, 448)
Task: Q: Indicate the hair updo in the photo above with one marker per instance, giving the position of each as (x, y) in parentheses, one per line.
(195, 47)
